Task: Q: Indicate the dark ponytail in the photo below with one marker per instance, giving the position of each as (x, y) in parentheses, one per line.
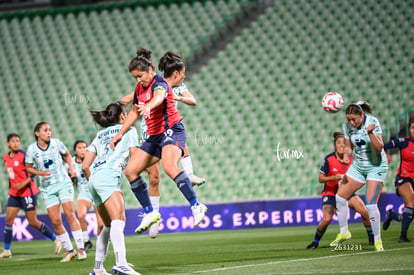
(170, 63)
(358, 108)
(142, 61)
(109, 116)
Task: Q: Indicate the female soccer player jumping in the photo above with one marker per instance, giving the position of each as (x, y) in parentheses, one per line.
(331, 172)
(22, 195)
(363, 133)
(154, 100)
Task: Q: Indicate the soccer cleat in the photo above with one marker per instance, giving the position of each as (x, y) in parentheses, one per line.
(67, 257)
(87, 245)
(82, 255)
(154, 228)
(196, 181)
(199, 212)
(124, 270)
(99, 272)
(403, 240)
(388, 220)
(6, 254)
(340, 238)
(147, 221)
(312, 246)
(378, 246)
(58, 245)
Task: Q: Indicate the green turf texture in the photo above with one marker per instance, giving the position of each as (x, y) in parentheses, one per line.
(253, 251)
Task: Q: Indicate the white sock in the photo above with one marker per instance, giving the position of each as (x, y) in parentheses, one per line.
(102, 243)
(65, 240)
(77, 235)
(155, 201)
(374, 216)
(342, 214)
(118, 241)
(85, 236)
(187, 165)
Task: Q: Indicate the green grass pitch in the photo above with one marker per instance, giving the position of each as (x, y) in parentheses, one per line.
(253, 251)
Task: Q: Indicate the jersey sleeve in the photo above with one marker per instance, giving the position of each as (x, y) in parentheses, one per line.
(92, 147)
(160, 86)
(132, 137)
(377, 129)
(394, 143)
(324, 167)
(61, 147)
(29, 155)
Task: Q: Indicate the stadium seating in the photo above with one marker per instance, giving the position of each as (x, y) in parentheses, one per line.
(261, 93)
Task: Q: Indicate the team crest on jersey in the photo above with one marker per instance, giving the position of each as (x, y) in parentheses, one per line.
(148, 96)
(16, 163)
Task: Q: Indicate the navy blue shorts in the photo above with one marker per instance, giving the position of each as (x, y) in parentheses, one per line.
(329, 200)
(174, 135)
(400, 181)
(28, 203)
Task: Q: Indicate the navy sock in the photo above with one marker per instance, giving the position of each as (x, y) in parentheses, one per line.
(407, 216)
(8, 235)
(184, 184)
(370, 233)
(395, 216)
(140, 190)
(318, 235)
(47, 232)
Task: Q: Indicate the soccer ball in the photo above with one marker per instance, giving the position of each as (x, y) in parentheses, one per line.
(332, 102)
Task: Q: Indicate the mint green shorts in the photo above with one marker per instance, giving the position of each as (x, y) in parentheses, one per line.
(84, 194)
(103, 183)
(362, 173)
(57, 193)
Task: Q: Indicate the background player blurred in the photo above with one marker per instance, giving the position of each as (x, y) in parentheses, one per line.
(404, 182)
(84, 196)
(104, 184)
(363, 134)
(22, 195)
(331, 172)
(45, 159)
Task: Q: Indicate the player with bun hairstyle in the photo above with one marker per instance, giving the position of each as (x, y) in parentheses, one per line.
(154, 100)
(45, 159)
(331, 172)
(104, 184)
(22, 195)
(404, 182)
(84, 196)
(363, 135)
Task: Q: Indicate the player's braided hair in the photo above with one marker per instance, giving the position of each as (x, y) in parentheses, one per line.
(142, 61)
(109, 116)
(170, 63)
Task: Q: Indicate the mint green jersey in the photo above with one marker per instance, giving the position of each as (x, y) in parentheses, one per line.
(178, 91)
(365, 154)
(106, 158)
(82, 182)
(49, 159)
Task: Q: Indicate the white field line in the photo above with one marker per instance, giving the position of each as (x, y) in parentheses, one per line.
(223, 269)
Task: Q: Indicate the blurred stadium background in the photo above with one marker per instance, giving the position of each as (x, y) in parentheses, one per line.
(258, 69)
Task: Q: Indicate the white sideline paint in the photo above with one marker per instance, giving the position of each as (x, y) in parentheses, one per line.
(304, 260)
